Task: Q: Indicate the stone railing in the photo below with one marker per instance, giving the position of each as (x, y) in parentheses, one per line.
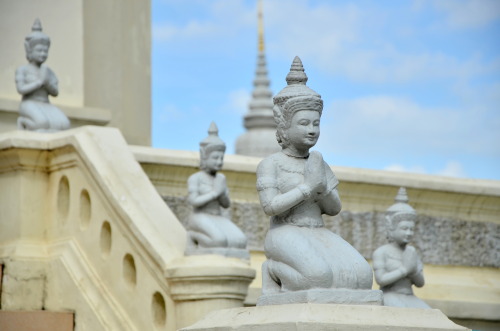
(456, 232)
(83, 230)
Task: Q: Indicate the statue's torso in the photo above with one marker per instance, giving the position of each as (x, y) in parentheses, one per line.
(393, 258)
(30, 74)
(205, 184)
(289, 174)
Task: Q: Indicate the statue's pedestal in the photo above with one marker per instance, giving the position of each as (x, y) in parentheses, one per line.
(329, 296)
(312, 317)
(200, 284)
(239, 253)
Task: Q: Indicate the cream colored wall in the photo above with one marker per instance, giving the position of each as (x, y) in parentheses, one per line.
(72, 223)
(100, 52)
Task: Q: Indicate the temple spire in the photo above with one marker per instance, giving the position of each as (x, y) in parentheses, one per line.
(260, 139)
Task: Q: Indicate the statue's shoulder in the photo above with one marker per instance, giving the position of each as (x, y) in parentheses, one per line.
(194, 177)
(410, 248)
(22, 69)
(381, 251)
(268, 165)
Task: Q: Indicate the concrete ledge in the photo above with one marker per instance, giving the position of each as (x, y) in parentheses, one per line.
(312, 317)
(361, 190)
(9, 110)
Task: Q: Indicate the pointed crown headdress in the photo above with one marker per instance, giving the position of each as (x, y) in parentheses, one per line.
(36, 36)
(212, 142)
(294, 97)
(400, 210)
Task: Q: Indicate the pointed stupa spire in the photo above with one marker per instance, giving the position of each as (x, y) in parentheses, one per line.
(260, 139)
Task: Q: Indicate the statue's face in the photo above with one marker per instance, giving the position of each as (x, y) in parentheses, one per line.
(214, 161)
(303, 132)
(39, 53)
(403, 233)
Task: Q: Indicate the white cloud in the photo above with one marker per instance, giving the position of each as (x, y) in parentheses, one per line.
(221, 19)
(361, 42)
(451, 169)
(388, 126)
(468, 13)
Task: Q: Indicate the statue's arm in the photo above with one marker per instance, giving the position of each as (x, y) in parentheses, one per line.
(22, 86)
(382, 276)
(272, 201)
(330, 201)
(51, 83)
(194, 197)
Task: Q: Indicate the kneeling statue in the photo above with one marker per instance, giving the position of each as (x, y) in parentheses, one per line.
(397, 266)
(35, 81)
(209, 232)
(306, 262)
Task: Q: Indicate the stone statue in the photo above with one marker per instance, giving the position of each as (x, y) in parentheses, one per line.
(397, 266)
(296, 187)
(36, 82)
(209, 232)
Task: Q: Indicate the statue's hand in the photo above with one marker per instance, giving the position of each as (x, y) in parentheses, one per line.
(314, 175)
(410, 259)
(220, 186)
(44, 75)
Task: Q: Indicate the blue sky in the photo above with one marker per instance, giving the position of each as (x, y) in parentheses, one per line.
(407, 85)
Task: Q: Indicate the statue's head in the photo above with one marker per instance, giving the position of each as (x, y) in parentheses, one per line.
(212, 150)
(37, 43)
(400, 219)
(295, 97)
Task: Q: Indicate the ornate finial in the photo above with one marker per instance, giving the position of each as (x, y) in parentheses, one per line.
(296, 74)
(213, 130)
(296, 84)
(37, 25)
(36, 36)
(212, 142)
(401, 197)
(401, 204)
(260, 27)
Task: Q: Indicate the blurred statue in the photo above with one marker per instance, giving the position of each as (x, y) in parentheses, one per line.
(397, 266)
(295, 188)
(209, 232)
(35, 81)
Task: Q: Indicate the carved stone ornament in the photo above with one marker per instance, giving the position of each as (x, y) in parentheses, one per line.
(306, 262)
(35, 82)
(397, 265)
(209, 231)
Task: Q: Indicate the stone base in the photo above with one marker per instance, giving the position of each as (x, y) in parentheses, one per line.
(239, 253)
(200, 284)
(334, 296)
(321, 317)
